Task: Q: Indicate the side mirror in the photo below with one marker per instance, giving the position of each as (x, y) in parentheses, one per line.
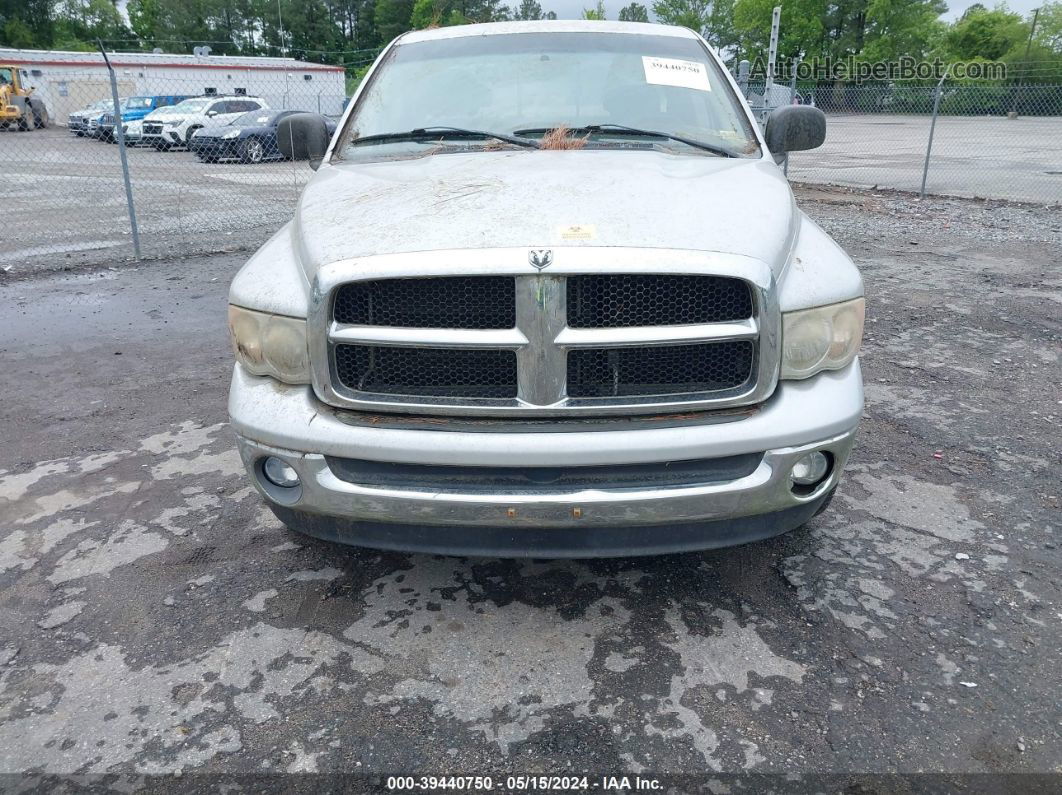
(304, 136)
(211, 113)
(792, 128)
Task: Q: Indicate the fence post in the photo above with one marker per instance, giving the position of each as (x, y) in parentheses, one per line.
(932, 129)
(743, 77)
(120, 134)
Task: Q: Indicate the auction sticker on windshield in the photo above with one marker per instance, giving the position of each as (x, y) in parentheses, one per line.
(675, 72)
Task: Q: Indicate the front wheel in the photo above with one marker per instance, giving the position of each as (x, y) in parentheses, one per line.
(251, 151)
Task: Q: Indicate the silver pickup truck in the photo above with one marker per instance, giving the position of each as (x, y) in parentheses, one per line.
(548, 294)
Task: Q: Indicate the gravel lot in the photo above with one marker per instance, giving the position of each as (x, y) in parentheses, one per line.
(973, 156)
(155, 618)
(66, 201)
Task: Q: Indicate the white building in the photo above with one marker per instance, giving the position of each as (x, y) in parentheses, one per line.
(68, 81)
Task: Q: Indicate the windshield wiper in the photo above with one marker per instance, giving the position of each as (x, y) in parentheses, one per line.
(441, 133)
(633, 131)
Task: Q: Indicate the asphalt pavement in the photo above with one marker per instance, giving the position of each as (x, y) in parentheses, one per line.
(156, 618)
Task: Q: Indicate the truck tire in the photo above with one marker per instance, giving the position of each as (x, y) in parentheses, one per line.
(39, 113)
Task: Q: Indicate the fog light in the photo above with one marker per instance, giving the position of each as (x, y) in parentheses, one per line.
(810, 469)
(280, 474)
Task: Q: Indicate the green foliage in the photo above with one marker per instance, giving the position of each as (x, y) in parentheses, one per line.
(985, 34)
(392, 18)
(692, 14)
(597, 12)
(1049, 27)
(635, 12)
(349, 32)
(16, 33)
(528, 9)
(907, 27)
(805, 28)
(81, 22)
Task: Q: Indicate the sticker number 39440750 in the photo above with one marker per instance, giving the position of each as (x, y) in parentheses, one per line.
(675, 72)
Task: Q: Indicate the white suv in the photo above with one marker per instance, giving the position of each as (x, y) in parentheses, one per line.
(181, 123)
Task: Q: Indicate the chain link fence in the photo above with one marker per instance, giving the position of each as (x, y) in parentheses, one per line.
(199, 140)
(976, 141)
(201, 183)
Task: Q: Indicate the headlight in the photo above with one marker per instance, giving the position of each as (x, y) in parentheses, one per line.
(272, 345)
(823, 338)
(231, 134)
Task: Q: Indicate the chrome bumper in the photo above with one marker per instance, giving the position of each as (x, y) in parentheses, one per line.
(288, 422)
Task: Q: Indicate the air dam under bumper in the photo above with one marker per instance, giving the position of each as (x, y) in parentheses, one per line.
(288, 422)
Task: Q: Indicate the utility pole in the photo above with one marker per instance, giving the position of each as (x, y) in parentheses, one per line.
(1021, 77)
(280, 19)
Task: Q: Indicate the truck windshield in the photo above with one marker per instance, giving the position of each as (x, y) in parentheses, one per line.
(137, 102)
(529, 83)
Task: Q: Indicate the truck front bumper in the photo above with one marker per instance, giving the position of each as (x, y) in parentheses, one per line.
(450, 517)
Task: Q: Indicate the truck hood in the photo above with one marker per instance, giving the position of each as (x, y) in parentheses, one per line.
(645, 199)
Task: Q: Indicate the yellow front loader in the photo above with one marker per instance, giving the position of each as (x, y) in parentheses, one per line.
(18, 106)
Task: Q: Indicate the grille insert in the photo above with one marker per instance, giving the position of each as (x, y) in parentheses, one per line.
(427, 372)
(678, 369)
(462, 302)
(531, 479)
(619, 300)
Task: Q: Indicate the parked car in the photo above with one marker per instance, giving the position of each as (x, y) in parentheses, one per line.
(136, 108)
(177, 128)
(133, 132)
(77, 122)
(250, 138)
(563, 310)
(93, 120)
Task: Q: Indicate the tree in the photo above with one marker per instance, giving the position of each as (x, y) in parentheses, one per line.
(80, 23)
(719, 30)
(597, 12)
(1049, 27)
(27, 23)
(635, 12)
(16, 33)
(528, 9)
(902, 27)
(392, 18)
(692, 14)
(803, 29)
(144, 18)
(985, 34)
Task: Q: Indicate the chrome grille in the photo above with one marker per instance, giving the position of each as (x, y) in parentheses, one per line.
(467, 302)
(481, 332)
(671, 370)
(152, 129)
(618, 300)
(427, 372)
